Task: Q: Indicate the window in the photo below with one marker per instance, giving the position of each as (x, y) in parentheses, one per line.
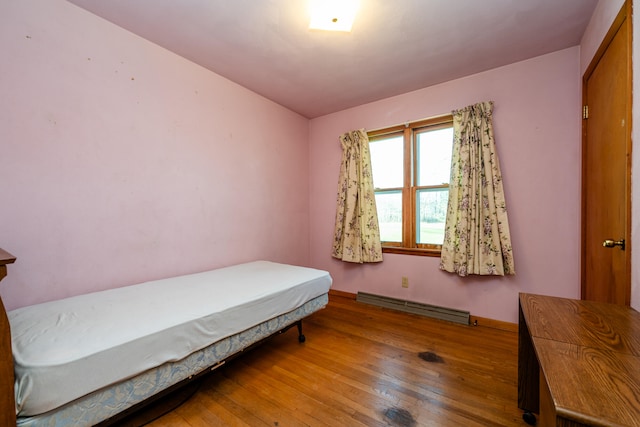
(411, 167)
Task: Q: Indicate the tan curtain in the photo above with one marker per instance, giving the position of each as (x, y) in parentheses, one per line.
(477, 239)
(357, 234)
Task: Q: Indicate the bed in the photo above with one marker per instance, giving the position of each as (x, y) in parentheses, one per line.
(84, 360)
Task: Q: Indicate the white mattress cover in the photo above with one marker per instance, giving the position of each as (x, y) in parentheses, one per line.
(67, 348)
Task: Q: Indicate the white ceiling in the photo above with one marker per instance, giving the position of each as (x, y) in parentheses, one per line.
(395, 46)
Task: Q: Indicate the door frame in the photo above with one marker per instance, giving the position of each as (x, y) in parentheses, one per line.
(624, 17)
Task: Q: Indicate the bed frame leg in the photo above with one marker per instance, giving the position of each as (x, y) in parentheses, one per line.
(301, 337)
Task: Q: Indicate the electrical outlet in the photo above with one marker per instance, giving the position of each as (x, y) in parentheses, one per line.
(405, 282)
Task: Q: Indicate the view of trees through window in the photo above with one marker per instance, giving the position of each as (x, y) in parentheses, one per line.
(414, 199)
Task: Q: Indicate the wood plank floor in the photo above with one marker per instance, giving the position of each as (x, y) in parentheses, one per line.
(364, 366)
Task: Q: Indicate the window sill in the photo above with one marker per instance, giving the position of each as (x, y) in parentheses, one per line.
(410, 251)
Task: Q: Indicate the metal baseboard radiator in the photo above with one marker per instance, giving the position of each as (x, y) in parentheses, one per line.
(442, 313)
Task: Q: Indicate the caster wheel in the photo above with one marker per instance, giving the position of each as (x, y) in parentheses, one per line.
(529, 418)
(302, 338)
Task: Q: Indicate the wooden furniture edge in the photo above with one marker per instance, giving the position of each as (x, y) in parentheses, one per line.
(5, 258)
(549, 327)
(7, 396)
(528, 366)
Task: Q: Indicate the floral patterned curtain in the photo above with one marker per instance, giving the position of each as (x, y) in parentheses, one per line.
(357, 234)
(477, 239)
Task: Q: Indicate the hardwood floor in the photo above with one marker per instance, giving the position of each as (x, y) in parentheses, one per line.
(364, 366)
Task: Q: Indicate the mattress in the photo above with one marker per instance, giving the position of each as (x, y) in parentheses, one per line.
(110, 401)
(69, 348)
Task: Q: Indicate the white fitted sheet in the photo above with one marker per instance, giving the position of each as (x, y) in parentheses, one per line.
(110, 401)
(68, 348)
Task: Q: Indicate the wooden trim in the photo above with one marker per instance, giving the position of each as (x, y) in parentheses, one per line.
(408, 228)
(410, 251)
(386, 131)
(341, 294)
(495, 324)
(445, 118)
(629, 246)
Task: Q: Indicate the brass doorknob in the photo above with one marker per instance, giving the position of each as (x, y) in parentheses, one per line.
(612, 243)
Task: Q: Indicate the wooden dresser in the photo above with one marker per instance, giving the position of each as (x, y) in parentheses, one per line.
(578, 362)
(7, 399)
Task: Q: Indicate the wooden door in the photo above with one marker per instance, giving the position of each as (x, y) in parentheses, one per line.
(606, 168)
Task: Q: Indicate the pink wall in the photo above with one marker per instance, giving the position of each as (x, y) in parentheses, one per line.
(599, 24)
(121, 162)
(537, 130)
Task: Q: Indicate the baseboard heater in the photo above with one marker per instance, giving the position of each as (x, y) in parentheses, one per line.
(442, 313)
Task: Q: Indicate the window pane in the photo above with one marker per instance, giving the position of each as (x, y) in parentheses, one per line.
(387, 162)
(431, 211)
(389, 205)
(434, 157)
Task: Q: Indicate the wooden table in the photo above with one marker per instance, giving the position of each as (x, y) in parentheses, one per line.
(578, 362)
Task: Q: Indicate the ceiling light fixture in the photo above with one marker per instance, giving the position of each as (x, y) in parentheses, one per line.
(332, 15)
